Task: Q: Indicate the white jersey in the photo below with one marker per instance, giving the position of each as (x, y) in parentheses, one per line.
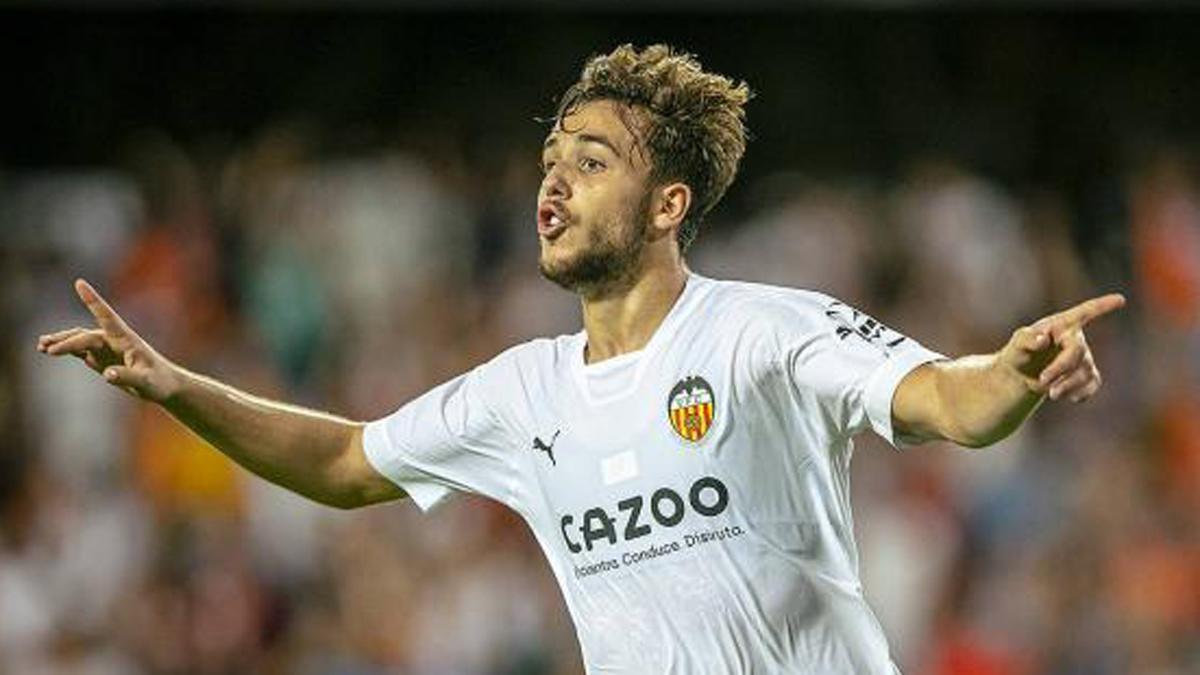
(692, 498)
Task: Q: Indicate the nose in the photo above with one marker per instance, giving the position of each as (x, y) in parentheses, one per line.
(555, 185)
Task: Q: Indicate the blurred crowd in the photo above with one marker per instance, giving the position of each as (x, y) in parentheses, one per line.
(353, 281)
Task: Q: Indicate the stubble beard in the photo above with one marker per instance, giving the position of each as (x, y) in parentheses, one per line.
(608, 263)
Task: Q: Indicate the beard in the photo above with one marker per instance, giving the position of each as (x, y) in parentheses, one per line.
(609, 260)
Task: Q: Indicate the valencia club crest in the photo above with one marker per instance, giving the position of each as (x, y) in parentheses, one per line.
(690, 408)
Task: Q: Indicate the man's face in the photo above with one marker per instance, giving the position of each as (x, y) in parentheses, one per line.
(594, 201)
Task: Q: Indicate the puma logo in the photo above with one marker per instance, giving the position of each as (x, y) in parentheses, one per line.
(548, 449)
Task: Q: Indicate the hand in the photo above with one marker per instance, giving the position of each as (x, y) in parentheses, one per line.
(1052, 354)
(114, 350)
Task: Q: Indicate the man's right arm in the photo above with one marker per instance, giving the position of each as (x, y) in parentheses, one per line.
(314, 454)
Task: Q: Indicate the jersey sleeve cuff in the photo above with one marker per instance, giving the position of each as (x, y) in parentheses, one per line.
(882, 388)
(391, 463)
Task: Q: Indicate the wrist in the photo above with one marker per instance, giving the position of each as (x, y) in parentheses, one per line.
(174, 384)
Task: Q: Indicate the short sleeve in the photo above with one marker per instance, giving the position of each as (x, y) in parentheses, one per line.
(851, 364)
(450, 438)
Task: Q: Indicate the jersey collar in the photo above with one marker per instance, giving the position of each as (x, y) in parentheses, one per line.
(695, 287)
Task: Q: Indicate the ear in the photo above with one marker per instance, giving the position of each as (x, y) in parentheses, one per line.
(671, 205)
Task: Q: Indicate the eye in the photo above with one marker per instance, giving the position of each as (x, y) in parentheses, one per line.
(590, 165)
(546, 166)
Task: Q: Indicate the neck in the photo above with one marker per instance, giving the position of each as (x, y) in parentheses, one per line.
(623, 322)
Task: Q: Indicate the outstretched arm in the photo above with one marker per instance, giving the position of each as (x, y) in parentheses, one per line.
(315, 454)
(978, 400)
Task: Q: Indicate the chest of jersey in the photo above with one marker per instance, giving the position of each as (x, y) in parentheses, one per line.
(641, 472)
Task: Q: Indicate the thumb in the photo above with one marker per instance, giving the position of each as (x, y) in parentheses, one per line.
(1031, 340)
(125, 377)
(1029, 351)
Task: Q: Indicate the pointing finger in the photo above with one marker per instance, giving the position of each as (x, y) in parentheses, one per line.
(1088, 310)
(105, 315)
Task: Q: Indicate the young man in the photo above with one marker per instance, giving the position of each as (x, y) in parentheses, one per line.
(684, 460)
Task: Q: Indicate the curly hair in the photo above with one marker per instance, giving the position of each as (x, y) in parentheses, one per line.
(695, 121)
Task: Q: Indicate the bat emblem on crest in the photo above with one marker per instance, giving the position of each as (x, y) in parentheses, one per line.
(690, 408)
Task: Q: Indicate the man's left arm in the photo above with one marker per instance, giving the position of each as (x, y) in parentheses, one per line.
(978, 400)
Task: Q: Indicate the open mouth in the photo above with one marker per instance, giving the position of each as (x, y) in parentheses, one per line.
(552, 219)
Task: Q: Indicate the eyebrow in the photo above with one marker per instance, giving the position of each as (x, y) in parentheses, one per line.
(585, 138)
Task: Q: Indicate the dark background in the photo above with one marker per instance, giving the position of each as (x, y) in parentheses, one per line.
(1030, 95)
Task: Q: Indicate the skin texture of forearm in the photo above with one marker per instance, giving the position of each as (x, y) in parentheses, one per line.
(980, 400)
(302, 450)
(315, 454)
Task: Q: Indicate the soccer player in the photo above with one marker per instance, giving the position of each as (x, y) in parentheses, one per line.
(683, 461)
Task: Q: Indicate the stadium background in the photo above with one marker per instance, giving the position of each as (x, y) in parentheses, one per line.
(335, 208)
